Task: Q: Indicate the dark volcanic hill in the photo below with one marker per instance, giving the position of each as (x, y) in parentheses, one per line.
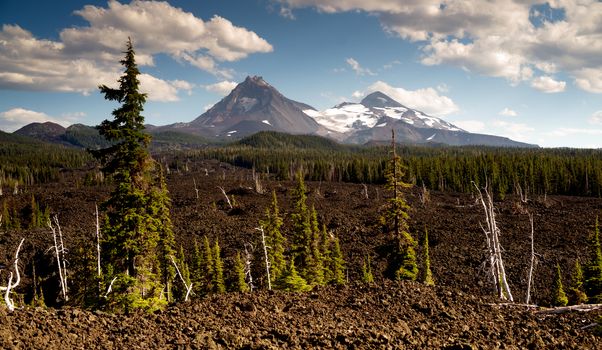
(253, 106)
(48, 132)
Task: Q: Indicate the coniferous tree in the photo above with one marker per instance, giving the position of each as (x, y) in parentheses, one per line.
(395, 219)
(274, 239)
(6, 220)
(132, 230)
(160, 203)
(427, 276)
(338, 263)
(367, 276)
(179, 287)
(209, 266)
(559, 298)
(576, 293)
(218, 273)
(291, 281)
(301, 227)
(240, 283)
(593, 269)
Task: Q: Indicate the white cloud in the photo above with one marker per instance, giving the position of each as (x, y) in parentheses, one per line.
(562, 132)
(357, 68)
(15, 118)
(470, 125)
(596, 118)
(510, 39)
(508, 112)
(548, 85)
(87, 56)
(515, 131)
(222, 88)
(426, 100)
(357, 94)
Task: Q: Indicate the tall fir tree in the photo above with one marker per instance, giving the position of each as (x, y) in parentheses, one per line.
(132, 232)
(576, 293)
(315, 267)
(219, 284)
(240, 283)
(209, 266)
(274, 239)
(592, 273)
(559, 297)
(395, 219)
(291, 281)
(427, 275)
(367, 276)
(337, 263)
(301, 234)
(325, 249)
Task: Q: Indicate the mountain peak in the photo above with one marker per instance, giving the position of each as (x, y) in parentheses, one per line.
(378, 99)
(256, 80)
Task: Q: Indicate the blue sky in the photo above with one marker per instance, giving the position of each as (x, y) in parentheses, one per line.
(529, 70)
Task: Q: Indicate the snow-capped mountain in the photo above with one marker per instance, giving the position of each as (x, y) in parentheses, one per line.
(375, 110)
(373, 118)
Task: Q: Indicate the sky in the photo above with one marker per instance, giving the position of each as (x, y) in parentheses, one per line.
(528, 70)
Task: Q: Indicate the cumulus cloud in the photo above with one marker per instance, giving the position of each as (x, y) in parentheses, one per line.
(15, 118)
(86, 56)
(508, 112)
(426, 100)
(511, 39)
(548, 85)
(222, 88)
(357, 68)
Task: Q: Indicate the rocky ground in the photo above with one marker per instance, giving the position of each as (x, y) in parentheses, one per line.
(381, 316)
(458, 313)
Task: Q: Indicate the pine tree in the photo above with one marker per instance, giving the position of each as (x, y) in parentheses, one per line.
(274, 239)
(576, 294)
(209, 266)
(197, 267)
(301, 227)
(593, 269)
(427, 276)
(218, 274)
(558, 296)
(6, 220)
(240, 283)
(291, 281)
(395, 219)
(132, 228)
(367, 276)
(338, 263)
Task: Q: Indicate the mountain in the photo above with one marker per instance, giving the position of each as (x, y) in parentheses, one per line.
(46, 132)
(253, 106)
(372, 119)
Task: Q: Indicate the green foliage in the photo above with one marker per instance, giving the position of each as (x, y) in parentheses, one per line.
(219, 284)
(315, 267)
(337, 263)
(427, 275)
(326, 255)
(559, 298)
(38, 217)
(274, 239)
(290, 280)
(209, 266)
(367, 276)
(301, 231)
(240, 283)
(395, 218)
(137, 230)
(179, 290)
(576, 293)
(593, 269)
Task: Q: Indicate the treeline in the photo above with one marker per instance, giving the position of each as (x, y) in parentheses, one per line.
(534, 171)
(34, 163)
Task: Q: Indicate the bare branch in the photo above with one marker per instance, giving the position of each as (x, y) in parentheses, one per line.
(532, 261)
(225, 195)
(10, 286)
(265, 253)
(186, 285)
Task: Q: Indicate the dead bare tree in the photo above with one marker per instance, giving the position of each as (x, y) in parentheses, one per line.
(425, 195)
(257, 182)
(265, 255)
(195, 188)
(225, 195)
(10, 285)
(530, 278)
(186, 285)
(98, 268)
(248, 259)
(59, 249)
(497, 271)
(365, 191)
